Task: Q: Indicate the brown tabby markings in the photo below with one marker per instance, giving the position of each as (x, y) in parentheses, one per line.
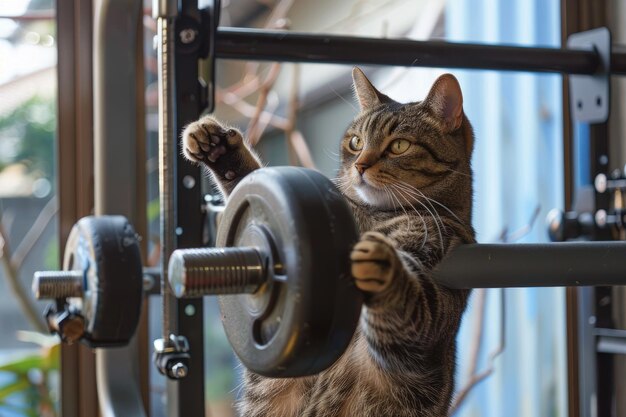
(406, 172)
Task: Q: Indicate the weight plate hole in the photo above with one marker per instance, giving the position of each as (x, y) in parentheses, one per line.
(263, 331)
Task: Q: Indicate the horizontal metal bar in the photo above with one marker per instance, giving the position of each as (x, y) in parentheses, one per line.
(611, 341)
(566, 264)
(266, 45)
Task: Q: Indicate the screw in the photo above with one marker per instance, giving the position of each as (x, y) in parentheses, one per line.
(179, 370)
(57, 284)
(187, 36)
(189, 182)
(600, 183)
(206, 271)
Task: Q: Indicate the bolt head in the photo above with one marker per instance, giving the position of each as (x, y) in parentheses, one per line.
(600, 183)
(187, 36)
(555, 222)
(601, 218)
(179, 370)
(70, 326)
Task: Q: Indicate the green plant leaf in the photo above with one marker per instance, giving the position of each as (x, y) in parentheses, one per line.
(23, 365)
(154, 210)
(51, 357)
(11, 388)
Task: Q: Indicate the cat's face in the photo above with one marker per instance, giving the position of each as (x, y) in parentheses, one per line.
(395, 155)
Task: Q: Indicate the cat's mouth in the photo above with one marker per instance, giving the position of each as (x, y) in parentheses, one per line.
(370, 181)
(372, 192)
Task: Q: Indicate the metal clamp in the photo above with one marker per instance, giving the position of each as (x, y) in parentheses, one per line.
(590, 94)
(172, 356)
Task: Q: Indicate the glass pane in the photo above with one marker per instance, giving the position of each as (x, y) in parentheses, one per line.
(29, 381)
(518, 179)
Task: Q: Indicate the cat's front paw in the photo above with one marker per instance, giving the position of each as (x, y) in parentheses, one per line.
(210, 142)
(374, 262)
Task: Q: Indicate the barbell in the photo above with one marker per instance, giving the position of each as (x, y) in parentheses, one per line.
(289, 305)
(282, 270)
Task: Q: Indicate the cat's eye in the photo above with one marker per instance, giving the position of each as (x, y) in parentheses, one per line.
(399, 146)
(356, 143)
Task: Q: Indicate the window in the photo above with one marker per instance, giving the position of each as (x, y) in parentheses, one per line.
(29, 382)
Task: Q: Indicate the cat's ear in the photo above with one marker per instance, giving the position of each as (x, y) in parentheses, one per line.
(366, 93)
(446, 101)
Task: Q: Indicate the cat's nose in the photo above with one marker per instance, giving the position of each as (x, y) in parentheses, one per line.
(361, 167)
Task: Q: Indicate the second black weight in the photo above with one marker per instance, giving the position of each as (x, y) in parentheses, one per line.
(303, 317)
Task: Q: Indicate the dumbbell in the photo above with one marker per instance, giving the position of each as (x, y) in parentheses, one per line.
(98, 294)
(284, 242)
(288, 303)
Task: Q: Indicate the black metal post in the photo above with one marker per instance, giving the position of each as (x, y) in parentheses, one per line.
(266, 45)
(186, 396)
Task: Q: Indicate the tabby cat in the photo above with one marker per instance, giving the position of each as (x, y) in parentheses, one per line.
(405, 170)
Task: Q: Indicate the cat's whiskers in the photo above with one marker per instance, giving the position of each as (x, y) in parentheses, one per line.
(344, 100)
(425, 227)
(416, 212)
(458, 172)
(418, 193)
(392, 182)
(434, 215)
(400, 184)
(343, 183)
(332, 155)
(389, 196)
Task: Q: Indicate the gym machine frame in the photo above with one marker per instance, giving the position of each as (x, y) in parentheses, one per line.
(187, 34)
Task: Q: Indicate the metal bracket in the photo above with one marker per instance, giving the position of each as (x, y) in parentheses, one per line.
(172, 356)
(590, 94)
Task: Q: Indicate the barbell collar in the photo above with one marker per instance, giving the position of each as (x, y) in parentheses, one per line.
(216, 271)
(49, 285)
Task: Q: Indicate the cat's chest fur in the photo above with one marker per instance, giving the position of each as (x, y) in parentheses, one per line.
(339, 391)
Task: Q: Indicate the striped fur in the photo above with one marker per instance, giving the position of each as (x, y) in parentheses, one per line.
(412, 209)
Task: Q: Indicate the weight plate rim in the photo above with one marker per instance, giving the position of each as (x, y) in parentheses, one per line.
(319, 189)
(110, 297)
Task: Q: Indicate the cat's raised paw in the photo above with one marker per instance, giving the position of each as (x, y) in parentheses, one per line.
(374, 261)
(207, 141)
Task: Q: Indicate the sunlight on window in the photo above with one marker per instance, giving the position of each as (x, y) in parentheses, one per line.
(29, 379)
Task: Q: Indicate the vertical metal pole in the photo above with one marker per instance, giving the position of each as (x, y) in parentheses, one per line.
(165, 12)
(590, 376)
(181, 220)
(187, 395)
(115, 133)
(617, 123)
(75, 182)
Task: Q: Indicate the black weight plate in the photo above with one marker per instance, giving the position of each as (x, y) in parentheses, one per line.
(105, 248)
(299, 323)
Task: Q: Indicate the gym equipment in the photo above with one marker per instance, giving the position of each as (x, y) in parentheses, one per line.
(285, 238)
(187, 35)
(98, 294)
(281, 265)
(284, 241)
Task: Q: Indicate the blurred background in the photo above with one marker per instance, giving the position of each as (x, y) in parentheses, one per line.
(512, 345)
